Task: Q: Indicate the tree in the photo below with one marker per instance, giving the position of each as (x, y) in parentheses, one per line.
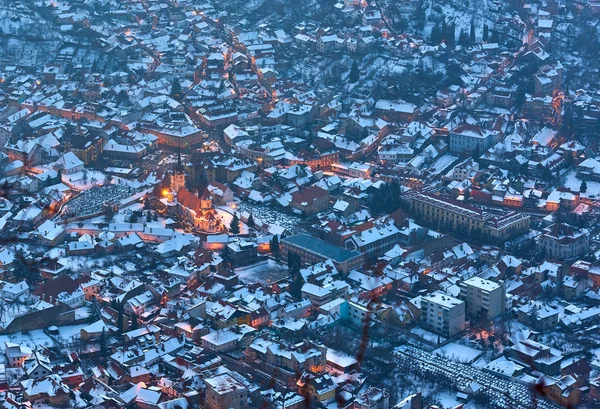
(93, 312)
(274, 244)
(176, 89)
(569, 160)
(147, 204)
(420, 15)
(294, 262)
(354, 73)
(103, 345)
(494, 37)
(436, 34)
(463, 39)
(120, 318)
(134, 322)
(110, 213)
(251, 222)
(234, 226)
(472, 33)
(486, 33)
(202, 180)
(467, 195)
(583, 187)
(296, 286)
(227, 257)
(24, 269)
(450, 34)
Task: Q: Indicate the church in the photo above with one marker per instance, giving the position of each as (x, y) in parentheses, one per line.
(197, 210)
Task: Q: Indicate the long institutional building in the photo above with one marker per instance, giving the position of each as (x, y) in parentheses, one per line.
(437, 209)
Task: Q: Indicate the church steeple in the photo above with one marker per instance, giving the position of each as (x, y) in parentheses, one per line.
(179, 164)
(178, 176)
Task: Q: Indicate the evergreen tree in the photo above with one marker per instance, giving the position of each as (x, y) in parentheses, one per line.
(176, 92)
(472, 33)
(202, 180)
(420, 15)
(583, 187)
(251, 222)
(134, 322)
(494, 37)
(436, 35)
(24, 269)
(486, 32)
(147, 205)
(467, 195)
(227, 257)
(103, 345)
(354, 73)
(569, 160)
(93, 311)
(109, 214)
(463, 39)
(296, 286)
(450, 34)
(386, 199)
(294, 262)
(294, 265)
(120, 318)
(275, 244)
(234, 226)
(444, 31)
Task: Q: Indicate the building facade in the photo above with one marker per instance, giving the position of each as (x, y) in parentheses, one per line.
(484, 298)
(443, 314)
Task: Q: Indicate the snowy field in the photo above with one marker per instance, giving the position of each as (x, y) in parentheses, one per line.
(84, 180)
(226, 215)
(426, 335)
(459, 353)
(574, 183)
(263, 272)
(38, 337)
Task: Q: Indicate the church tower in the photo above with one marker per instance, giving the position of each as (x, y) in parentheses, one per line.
(178, 175)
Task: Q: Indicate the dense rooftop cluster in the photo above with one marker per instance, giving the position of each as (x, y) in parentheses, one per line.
(269, 204)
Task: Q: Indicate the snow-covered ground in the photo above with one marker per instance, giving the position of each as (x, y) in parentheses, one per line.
(84, 180)
(38, 337)
(447, 400)
(263, 272)
(226, 215)
(426, 335)
(459, 353)
(574, 183)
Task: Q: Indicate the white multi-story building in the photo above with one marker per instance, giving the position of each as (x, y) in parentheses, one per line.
(562, 241)
(470, 138)
(225, 391)
(442, 314)
(484, 298)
